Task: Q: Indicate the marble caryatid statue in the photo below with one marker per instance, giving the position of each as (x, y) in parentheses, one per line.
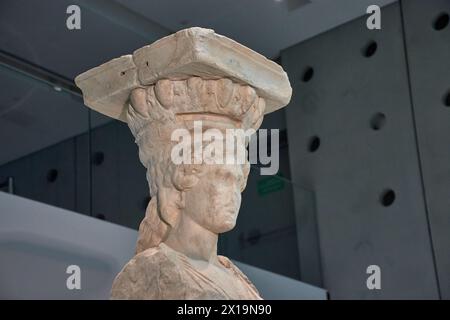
(193, 76)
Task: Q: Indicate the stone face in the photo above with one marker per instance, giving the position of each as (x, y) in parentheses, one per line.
(190, 77)
(190, 52)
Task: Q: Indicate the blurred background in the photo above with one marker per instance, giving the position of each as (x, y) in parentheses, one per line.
(364, 173)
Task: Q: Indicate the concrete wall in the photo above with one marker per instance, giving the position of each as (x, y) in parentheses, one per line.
(368, 130)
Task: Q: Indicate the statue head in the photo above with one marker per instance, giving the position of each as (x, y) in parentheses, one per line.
(213, 201)
(209, 192)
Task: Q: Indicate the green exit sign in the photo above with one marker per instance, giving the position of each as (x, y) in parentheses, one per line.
(270, 184)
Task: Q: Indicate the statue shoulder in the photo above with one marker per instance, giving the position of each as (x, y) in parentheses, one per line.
(227, 263)
(151, 274)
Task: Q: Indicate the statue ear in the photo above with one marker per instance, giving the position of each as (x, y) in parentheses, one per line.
(185, 177)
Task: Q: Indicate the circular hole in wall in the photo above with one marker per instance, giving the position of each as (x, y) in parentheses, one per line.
(441, 21)
(447, 99)
(378, 121)
(308, 73)
(387, 197)
(370, 49)
(52, 175)
(98, 158)
(314, 144)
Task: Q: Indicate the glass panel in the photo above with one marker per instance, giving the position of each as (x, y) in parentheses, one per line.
(39, 125)
(120, 192)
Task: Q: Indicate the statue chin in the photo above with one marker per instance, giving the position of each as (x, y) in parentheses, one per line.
(226, 226)
(224, 222)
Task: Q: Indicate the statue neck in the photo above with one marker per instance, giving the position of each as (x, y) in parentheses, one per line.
(193, 240)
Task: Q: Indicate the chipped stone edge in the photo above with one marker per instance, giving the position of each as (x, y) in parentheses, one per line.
(106, 88)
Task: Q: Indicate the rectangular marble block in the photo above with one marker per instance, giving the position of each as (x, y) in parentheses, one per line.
(190, 52)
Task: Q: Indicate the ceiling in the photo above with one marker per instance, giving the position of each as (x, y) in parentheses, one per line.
(34, 116)
(266, 26)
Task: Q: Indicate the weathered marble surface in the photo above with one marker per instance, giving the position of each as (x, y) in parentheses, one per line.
(162, 273)
(193, 75)
(189, 52)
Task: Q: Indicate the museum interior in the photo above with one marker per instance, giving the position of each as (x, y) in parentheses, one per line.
(363, 186)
